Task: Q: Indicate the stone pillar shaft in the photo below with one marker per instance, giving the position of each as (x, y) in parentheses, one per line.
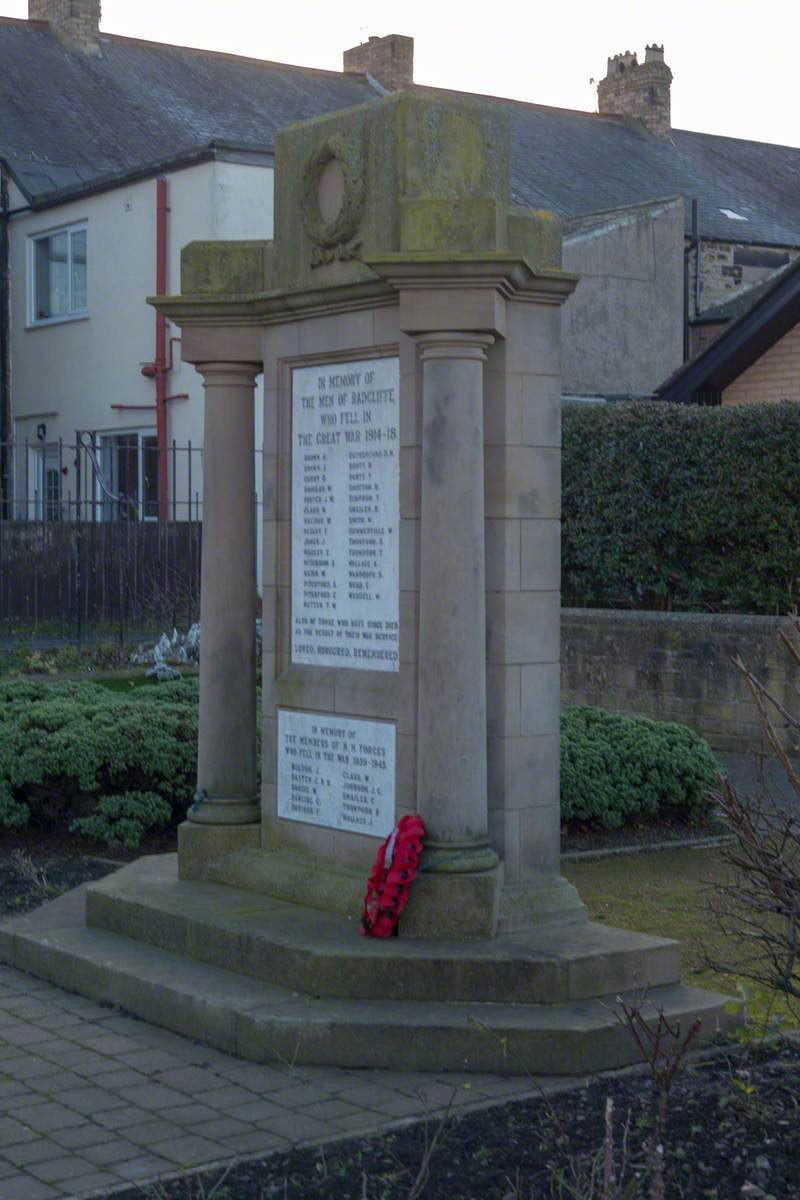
(227, 787)
(451, 764)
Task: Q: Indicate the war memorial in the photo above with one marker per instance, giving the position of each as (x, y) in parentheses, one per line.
(406, 320)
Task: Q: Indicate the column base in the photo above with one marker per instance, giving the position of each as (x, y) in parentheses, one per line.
(219, 810)
(456, 905)
(546, 903)
(200, 847)
(457, 858)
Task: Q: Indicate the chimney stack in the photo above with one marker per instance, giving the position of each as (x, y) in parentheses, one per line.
(637, 90)
(389, 60)
(76, 23)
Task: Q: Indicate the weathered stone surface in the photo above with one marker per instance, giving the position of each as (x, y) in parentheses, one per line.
(226, 268)
(244, 1015)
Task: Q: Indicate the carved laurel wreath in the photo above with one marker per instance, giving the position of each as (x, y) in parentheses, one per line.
(347, 153)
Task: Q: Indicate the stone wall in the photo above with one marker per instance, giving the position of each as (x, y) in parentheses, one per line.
(639, 91)
(74, 22)
(676, 667)
(389, 59)
(727, 268)
(773, 377)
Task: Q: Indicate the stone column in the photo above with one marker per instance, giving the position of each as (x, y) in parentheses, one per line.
(227, 788)
(451, 759)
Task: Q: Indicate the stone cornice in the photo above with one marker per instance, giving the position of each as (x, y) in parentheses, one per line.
(511, 276)
(274, 307)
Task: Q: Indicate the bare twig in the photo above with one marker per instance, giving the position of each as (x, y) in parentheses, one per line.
(429, 1148)
(663, 1049)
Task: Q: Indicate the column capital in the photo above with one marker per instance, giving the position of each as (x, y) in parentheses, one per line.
(229, 374)
(454, 346)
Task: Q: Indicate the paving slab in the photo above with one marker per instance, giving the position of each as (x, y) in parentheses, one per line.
(66, 1135)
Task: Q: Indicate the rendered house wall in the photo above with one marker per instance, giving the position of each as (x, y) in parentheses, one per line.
(68, 375)
(623, 325)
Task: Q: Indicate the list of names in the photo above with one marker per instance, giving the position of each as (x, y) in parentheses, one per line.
(337, 772)
(346, 515)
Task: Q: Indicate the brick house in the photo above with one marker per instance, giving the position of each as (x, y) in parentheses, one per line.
(115, 152)
(753, 356)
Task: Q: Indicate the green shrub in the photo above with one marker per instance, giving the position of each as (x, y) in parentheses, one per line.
(63, 745)
(123, 820)
(681, 507)
(615, 768)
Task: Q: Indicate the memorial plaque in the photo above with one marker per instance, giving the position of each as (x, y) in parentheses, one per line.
(336, 771)
(346, 514)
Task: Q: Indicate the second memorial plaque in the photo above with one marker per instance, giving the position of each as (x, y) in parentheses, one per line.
(346, 514)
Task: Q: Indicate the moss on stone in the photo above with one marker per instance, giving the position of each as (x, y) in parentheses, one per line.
(535, 235)
(470, 223)
(225, 268)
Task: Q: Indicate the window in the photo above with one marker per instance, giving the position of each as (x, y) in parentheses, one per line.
(58, 288)
(129, 483)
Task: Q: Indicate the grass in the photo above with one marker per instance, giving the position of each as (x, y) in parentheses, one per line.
(666, 894)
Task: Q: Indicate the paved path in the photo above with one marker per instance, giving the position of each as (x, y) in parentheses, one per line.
(93, 1100)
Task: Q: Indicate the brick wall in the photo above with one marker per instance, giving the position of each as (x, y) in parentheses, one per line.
(701, 336)
(773, 377)
(676, 667)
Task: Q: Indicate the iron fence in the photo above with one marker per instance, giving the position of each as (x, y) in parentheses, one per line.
(100, 536)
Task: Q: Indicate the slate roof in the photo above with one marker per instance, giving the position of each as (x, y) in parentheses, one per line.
(67, 119)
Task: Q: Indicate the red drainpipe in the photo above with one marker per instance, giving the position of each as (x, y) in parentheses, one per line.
(161, 346)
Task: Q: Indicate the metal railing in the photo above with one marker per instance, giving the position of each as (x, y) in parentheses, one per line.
(82, 549)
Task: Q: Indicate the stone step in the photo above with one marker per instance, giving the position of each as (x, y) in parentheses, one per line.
(322, 954)
(265, 1023)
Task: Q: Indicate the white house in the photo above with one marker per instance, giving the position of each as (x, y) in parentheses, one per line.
(84, 345)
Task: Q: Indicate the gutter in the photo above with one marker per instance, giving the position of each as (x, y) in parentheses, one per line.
(5, 341)
(209, 152)
(158, 368)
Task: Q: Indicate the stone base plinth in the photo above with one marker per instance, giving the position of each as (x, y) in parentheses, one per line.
(201, 846)
(263, 978)
(550, 902)
(447, 905)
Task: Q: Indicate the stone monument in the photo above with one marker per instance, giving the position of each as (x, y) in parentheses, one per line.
(407, 323)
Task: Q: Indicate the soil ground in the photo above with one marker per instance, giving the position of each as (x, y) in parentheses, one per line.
(733, 1131)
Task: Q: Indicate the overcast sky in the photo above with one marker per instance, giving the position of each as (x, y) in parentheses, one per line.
(735, 62)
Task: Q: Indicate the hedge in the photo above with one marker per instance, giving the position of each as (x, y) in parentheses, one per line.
(112, 766)
(681, 507)
(616, 768)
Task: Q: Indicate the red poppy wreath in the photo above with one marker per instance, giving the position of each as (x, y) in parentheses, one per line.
(395, 870)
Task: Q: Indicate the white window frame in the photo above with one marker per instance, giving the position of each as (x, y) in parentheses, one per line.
(74, 314)
(100, 496)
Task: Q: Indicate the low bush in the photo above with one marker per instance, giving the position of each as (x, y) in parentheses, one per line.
(64, 745)
(616, 768)
(114, 765)
(124, 820)
(681, 507)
